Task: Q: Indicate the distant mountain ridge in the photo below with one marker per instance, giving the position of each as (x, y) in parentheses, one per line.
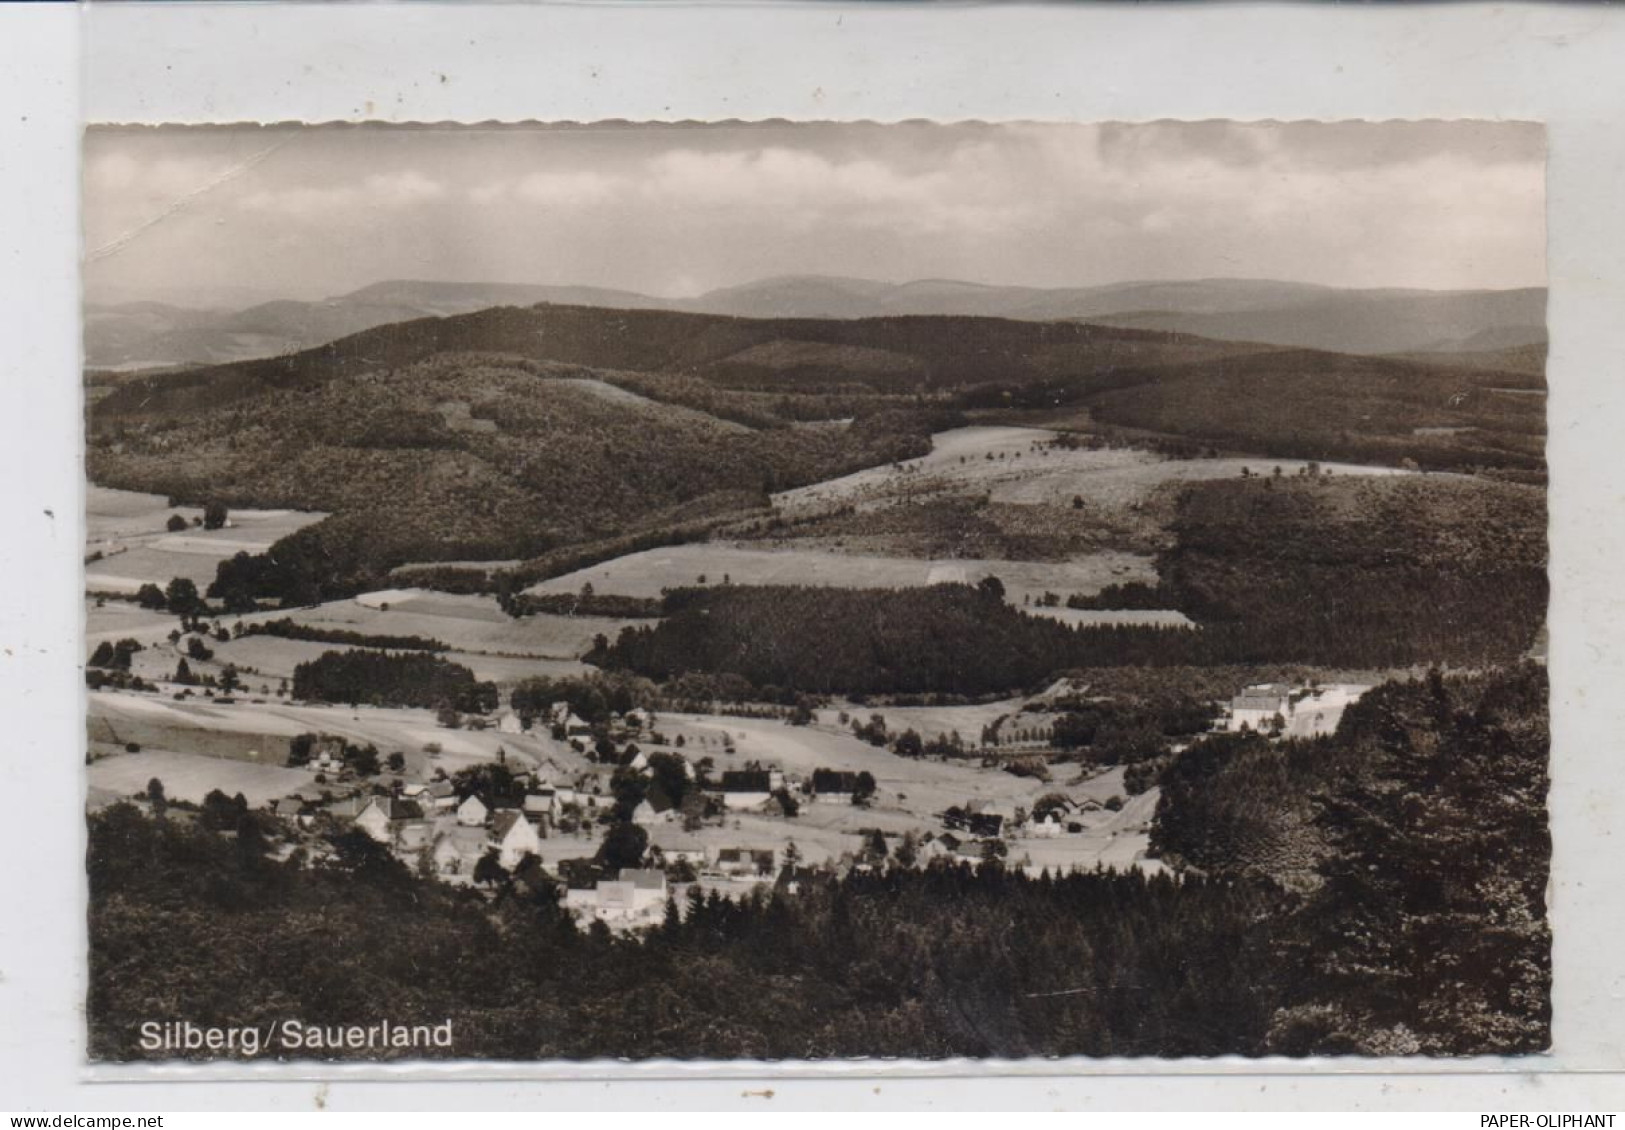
(1298, 315)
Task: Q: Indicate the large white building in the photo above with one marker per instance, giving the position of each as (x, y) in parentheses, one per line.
(1298, 712)
(1258, 706)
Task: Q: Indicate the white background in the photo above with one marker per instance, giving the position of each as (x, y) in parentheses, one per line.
(427, 62)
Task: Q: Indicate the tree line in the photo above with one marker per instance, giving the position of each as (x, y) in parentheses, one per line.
(381, 679)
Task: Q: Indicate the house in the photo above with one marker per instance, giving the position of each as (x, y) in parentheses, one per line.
(348, 808)
(656, 808)
(970, 849)
(746, 788)
(473, 812)
(678, 849)
(513, 836)
(1257, 706)
(634, 896)
(382, 816)
(541, 802)
(744, 863)
(414, 790)
(414, 835)
(288, 808)
(439, 796)
(458, 850)
(510, 723)
(1049, 826)
(648, 886)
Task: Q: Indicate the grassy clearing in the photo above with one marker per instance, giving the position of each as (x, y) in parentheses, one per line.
(1013, 465)
(202, 727)
(130, 530)
(190, 777)
(646, 574)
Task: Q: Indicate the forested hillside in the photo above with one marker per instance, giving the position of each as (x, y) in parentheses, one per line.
(1420, 829)
(1295, 404)
(470, 457)
(880, 354)
(1376, 572)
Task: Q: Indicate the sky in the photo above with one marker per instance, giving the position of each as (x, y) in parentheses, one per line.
(217, 215)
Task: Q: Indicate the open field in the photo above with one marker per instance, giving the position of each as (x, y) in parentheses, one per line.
(481, 635)
(191, 777)
(1120, 483)
(1013, 464)
(927, 721)
(129, 529)
(905, 786)
(1098, 617)
(646, 574)
(467, 623)
(198, 726)
(118, 619)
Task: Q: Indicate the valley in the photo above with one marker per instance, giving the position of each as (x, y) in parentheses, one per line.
(409, 439)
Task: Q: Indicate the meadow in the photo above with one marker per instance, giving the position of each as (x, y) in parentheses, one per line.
(129, 529)
(648, 573)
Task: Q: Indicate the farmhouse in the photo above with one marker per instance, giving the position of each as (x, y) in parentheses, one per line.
(439, 796)
(514, 837)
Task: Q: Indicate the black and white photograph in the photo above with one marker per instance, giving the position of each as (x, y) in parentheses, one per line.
(816, 591)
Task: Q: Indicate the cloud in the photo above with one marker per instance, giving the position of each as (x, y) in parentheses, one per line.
(651, 208)
(403, 189)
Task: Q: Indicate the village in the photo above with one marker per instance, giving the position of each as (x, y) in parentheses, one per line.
(635, 812)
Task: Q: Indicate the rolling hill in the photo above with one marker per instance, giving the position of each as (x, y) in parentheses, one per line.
(149, 334)
(901, 355)
(1280, 313)
(518, 432)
